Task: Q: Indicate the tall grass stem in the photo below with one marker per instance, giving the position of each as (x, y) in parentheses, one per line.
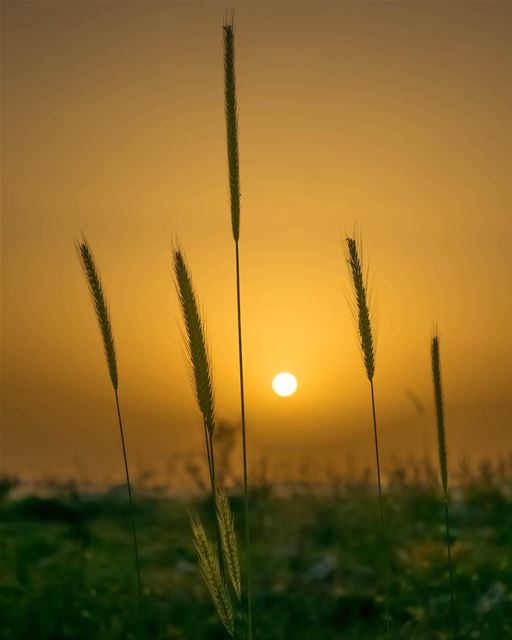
(130, 499)
(361, 309)
(248, 568)
(234, 194)
(199, 367)
(199, 364)
(443, 461)
(92, 276)
(381, 509)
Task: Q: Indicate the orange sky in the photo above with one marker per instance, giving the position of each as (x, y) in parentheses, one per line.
(394, 116)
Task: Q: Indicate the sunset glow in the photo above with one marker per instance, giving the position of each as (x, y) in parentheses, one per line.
(284, 384)
(401, 127)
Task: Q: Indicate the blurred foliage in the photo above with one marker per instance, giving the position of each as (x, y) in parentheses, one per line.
(67, 566)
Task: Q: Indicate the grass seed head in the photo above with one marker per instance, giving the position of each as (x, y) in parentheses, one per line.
(232, 126)
(439, 411)
(210, 570)
(226, 525)
(362, 305)
(93, 279)
(195, 339)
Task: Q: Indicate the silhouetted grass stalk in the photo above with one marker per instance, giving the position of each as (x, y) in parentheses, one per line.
(93, 279)
(227, 531)
(209, 566)
(362, 315)
(443, 463)
(219, 566)
(199, 368)
(234, 193)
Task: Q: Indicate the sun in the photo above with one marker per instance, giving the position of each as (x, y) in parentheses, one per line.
(284, 384)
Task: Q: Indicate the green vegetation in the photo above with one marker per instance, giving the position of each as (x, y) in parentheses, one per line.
(66, 569)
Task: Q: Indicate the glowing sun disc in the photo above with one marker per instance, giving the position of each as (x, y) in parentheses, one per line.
(284, 384)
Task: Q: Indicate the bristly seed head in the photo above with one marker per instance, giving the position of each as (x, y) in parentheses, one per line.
(362, 306)
(226, 527)
(93, 279)
(232, 127)
(439, 411)
(195, 338)
(210, 570)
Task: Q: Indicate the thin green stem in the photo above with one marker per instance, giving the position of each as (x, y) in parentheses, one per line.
(130, 501)
(209, 455)
(244, 448)
(381, 509)
(450, 569)
(211, 462)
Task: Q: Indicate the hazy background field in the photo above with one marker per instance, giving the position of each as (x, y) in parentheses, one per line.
(394, 115)
(68, 566)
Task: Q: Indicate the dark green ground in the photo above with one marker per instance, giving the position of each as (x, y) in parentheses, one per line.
(67, 568)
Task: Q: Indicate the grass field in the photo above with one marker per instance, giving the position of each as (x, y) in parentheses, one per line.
(67, 566)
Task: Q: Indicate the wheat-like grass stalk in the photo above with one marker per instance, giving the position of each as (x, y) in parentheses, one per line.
(92, 276)
(210, 570)
(200, 371)
(443, 458)
(93, 279)
(362, 305)
(363, 316)
(439, 411)
(213, 562)
(232, 126)
(226, 524)
(234, 194)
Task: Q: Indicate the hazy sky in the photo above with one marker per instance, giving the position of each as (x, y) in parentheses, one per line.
(394, 116)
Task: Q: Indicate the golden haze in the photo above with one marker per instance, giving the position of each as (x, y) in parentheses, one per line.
(392, 115)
